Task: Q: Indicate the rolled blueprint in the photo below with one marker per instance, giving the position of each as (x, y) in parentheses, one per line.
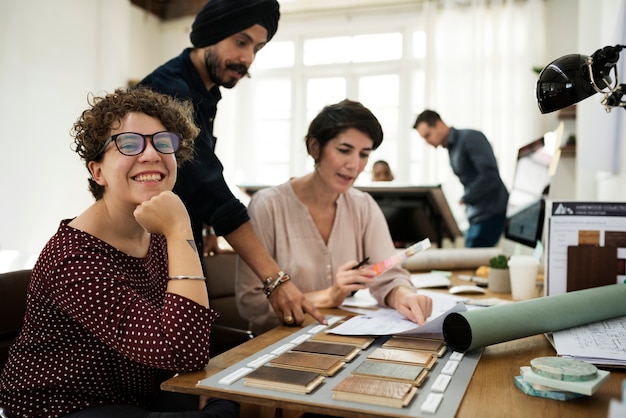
(476, 328)
(450, 258)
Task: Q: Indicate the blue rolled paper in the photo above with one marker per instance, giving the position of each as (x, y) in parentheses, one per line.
(464, 331)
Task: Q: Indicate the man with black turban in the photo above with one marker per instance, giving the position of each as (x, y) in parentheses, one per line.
(226, 35)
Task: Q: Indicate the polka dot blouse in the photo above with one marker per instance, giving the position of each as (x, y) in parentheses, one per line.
(100, 328)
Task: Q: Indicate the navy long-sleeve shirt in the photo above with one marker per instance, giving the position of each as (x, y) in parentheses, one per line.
(200, 184)
(473, 161)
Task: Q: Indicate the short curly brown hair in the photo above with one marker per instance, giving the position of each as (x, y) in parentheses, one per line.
(94, 125)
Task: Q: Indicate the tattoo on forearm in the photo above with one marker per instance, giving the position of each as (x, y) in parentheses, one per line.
(192, 243)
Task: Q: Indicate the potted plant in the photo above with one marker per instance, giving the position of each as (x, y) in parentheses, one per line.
(499, 278)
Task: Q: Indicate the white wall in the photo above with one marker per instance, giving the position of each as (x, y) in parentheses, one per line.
(561, 27)
(601, 152)
(49, 61)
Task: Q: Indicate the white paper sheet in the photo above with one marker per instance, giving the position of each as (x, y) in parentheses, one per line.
(361, 299)
(602, 342)
(387, 321)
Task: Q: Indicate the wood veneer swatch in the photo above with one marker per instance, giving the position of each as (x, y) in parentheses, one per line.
(590, 266)
(320, 363)
(420, 344)
(393, 355)
(359, 341)
(288, 380)
(374, 391)
(392, 371)
(346, 352)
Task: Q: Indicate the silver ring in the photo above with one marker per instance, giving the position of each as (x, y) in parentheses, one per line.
(288, 319)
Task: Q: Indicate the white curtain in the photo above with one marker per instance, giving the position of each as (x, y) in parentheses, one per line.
(480, 59)
(601, 152)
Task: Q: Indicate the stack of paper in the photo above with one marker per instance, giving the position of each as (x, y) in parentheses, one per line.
(600, 343)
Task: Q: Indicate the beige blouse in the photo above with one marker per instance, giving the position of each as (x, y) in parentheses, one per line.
(286, 228)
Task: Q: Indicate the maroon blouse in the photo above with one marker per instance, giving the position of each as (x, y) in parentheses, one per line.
(100, 328)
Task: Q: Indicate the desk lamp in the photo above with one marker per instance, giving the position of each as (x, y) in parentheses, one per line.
(574, 77)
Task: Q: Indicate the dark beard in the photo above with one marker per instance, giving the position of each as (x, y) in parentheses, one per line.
(212, 65)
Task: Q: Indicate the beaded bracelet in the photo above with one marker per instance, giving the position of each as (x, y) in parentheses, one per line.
(188, 278)
(272, 283)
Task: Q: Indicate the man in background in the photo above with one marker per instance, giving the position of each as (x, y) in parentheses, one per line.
(226, 36)
(471, 157)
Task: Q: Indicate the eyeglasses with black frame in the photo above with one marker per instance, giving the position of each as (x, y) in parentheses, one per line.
(133, 143)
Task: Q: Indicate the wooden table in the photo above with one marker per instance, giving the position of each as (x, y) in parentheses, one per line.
(491, 393)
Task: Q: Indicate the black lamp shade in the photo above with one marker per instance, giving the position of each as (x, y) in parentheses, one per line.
(563, 82)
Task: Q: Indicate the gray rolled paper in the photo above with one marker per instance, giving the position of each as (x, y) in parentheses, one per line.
(465, 331)
(450, 258)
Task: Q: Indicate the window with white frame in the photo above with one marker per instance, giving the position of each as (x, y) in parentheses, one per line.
(310, 66)
(455, 57)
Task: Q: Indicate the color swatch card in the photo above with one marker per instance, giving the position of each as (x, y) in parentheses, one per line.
(398, 258)
(418, 358)
(374, 391)
(319, 363)
(419, 344)
(288, 380)
(392, 371)
(362, 342)
(346, 352)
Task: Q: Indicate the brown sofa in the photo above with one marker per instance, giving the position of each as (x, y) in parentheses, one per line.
(13, 287)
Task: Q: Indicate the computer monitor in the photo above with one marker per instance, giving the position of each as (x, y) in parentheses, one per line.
(526, 226)
(531, 181)
(532, 175)
(412, 212)
(415, 212)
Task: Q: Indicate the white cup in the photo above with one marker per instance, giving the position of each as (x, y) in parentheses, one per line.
(523, 270)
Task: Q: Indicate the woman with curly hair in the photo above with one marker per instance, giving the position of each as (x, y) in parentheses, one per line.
(117, 301)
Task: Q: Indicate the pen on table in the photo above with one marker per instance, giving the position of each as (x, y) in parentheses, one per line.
(360, 264)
